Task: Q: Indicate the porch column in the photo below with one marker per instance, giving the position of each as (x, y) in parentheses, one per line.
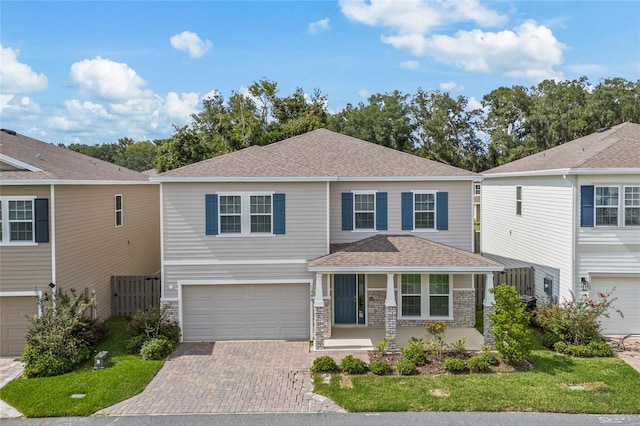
(489, 299)
(391, 314)
(318, 315)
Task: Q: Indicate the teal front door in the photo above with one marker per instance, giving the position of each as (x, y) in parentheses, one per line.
(344, 287)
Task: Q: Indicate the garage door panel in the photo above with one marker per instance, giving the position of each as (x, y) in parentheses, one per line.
(626, 291)
(13, 323)
(240, 312)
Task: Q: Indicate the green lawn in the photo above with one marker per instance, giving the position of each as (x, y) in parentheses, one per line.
(611, 387)
(127, 376)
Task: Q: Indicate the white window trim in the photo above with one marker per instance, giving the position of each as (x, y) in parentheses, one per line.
(375, 213)
(6, 229)
(435, 211)
(245, 214)
(116, 210)
(424, 300)
(595, 207)
(625, 207)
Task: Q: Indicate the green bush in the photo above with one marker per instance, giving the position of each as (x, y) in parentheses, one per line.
(135, 343)
(453, 365)
(459, 346)
(324, 364)
(352, 365)
(406, 368)
(156, 348)
(62, 338)
(595, 348)
(154, 322)
(549, 339)
(415, 352)
(490, 358)
(477, 364)
(510, 324)
(380, 368)
(600, 348)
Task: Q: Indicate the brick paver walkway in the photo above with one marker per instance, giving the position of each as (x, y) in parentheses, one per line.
(233, 377)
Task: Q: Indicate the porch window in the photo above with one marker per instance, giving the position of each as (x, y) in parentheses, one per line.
(632, 206)
(364, 210)
(606, 205)
(411, 295)
(439, 295)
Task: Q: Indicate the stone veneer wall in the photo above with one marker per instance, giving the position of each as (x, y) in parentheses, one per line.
(174, 311)
(464, 308)
(376, 308)
(328, 316)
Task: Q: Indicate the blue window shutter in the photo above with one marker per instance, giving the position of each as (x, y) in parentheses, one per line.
(279, 214)
(407, 211)
(211, 214)
(41, 208)
(381, 211)
(347, 211)
(442, 211)
(586, 205)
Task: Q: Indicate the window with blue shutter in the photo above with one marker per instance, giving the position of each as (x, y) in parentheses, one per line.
(347, 211)
(279, 218)
(407, 211)
(586, 205)
(42, 220)
(211, 214)
(381, 211)
(442, 211)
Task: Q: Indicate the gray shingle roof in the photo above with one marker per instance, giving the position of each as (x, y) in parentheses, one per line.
(401, 251)
(320, 153)
(57, 163)
(618, 147)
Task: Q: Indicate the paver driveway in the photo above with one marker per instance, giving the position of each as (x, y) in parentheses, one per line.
(233, 377)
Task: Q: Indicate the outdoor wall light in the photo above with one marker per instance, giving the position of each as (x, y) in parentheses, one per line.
(584, 284)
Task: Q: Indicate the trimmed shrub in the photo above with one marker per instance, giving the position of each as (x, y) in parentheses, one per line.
(380, 368)
(415, 352)
(490, 358)
(324, 364)
(459, 346)
(352, 365)
(510, 324)
(600, 348)
(406, 368)
(453, 365)
(549, 339)
(477, 364)
(595, 348)
(135, 343)
(156, 348)
(154, 322)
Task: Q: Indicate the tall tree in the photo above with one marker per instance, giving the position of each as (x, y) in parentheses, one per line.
(614, 101)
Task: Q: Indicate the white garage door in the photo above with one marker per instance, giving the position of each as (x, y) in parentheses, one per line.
(245, 312)
(627, 291)
(13, 324)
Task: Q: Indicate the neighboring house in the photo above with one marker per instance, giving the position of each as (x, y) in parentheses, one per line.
(70, 220)
(573, 213)
(288, 240)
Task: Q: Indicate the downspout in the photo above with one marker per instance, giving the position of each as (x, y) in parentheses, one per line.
(162, 242)
(52, 230)
(574, 235)
(328, 220)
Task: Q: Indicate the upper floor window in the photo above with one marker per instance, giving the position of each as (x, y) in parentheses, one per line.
(260, 213)
(606, 205)
(364, 210)
(118, 209)
(245, 214)
(518, 200)
(230, 214)
(424, 206)
(632, 206)
(476, 189)
(425, 210)
(24, 220)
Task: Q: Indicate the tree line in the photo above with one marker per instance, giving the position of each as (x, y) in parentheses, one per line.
(512, 122)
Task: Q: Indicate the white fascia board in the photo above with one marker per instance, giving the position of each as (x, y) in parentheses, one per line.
(560, 172)
(242, 282)
(19, 164)
(406, 178)
(219, 179)
(20, 293)
(393, 269)
(204, 262)
(30, 182)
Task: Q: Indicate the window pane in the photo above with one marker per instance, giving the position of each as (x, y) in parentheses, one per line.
(411, 306)
(439, 284)
(21, 231)
(364, 221)
(118, 202)
(261, 223)
(20, 210)
(425, 220)
(439, 306)
(410, 288)
(606, 196)
(230, 204)
(632, 196)
(607, 216)
(260, 204)
(364, 202)
(118, 218)
(425, 202)
(632, 216)
(229, 224)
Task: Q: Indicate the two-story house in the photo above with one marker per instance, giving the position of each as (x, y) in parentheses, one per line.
(289, 240)
(573, 213)
(68, 221)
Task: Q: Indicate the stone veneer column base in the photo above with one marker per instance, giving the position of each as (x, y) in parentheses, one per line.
(391, 317)
(489, 338)
(173, 313)
(318, 327)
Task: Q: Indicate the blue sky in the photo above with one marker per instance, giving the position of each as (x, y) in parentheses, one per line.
(95, 71)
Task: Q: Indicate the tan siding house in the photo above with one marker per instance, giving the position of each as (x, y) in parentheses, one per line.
(79, 239)
(290, 240)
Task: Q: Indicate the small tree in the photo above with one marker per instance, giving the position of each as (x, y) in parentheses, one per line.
(510, 324)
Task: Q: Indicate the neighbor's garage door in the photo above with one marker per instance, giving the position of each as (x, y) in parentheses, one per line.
(245, 312)
(627, 292)
(13, 324)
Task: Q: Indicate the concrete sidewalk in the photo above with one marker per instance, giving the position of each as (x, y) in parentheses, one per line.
(10, 368)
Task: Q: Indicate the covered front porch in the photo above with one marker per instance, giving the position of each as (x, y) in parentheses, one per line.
(366, 338)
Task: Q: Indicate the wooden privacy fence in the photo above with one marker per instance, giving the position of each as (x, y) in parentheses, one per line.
(520, 278)
(130, 294)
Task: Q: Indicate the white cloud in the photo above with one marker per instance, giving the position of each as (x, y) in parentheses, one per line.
(108, 79)
(451, 86)
(16, 77)
(473, 103)
(319, 26)
(364, 93)
(180, 107)
(190, 43)
(409, 65)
